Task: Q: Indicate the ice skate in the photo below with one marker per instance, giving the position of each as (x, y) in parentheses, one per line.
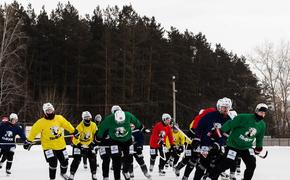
(162, 172)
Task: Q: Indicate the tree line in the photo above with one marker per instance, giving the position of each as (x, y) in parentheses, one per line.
(114, 56)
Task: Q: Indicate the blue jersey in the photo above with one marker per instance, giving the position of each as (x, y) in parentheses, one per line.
(206, 124)
(8, 132)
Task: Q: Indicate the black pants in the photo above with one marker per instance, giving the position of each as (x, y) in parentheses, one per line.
(7, 154)
(121, 157)
(154, 154)
(52, 156)
(190, 159)
(229, 158)
(207, 164)
(138, 155)
(105, 153)
(78, 153)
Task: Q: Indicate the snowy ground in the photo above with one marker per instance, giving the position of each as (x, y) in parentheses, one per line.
(31, 165)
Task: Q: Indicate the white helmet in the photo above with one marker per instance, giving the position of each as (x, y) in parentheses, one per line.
(13, 118)
(166, 116)
(120, 116)
(261, 107)
(224, 102)
(98, 118)
(232, 114)
(86, 115)
(115, 108)
(47, 106)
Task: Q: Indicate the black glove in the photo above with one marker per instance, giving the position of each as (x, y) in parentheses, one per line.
(258, 150)
(172, 149)
(93, 145)
(27, 145)
(180, 149)
(195, 143)
(215, 148)
(78, 145)
(76, 134)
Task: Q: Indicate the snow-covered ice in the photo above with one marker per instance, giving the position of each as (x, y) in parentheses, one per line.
(31, 165)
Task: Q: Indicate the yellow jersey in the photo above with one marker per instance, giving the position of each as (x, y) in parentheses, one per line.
(51, 132)
(178, 139)
(87, 133)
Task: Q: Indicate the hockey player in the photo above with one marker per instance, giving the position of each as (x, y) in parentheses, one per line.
(138, 142)
(205, 131)
(244, 129)
(179, 140)
(52, 139)
(97, 120)
(160, 132)
(191, 157)
(8, 130)
(84, 145)
(105, 146)
(118, 127)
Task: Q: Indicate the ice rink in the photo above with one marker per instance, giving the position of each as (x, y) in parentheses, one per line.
(31, 165)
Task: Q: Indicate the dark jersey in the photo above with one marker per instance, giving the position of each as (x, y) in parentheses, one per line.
(8, 132)
(206, 124)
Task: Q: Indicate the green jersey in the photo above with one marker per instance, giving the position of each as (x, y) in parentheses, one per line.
(244, 129)
(118, 131)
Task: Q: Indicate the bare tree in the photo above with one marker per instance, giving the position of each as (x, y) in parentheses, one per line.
(273, 66)
(12, 46)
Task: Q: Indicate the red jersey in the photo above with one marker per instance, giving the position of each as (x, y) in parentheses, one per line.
(156, 131)
(202, 113)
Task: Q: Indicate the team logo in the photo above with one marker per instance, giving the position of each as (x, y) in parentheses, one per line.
(87, 136)
(54, 130)
(121, 132)
(162, 134)
(251, 132)
(8, 134)
(217, 125)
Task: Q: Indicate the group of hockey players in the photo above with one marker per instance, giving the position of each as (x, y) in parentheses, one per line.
(218, 139)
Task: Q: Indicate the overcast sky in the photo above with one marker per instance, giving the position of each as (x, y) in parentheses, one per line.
(239, 25)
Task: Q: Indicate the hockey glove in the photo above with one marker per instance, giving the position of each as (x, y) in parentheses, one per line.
(215, 148)
(195, 143)
(76, 134)
(162, 134)
(180, 149)
(27, 145)
(172, 149)
(258, 150)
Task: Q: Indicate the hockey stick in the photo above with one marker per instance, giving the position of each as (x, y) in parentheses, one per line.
(10, 143)
(66, 136)
(183, 134)
(263, 156)
(161, 152)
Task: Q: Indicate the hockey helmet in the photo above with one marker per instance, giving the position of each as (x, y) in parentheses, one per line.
(120, 116)
(13, 118)
(261, 107)
(115, 108)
